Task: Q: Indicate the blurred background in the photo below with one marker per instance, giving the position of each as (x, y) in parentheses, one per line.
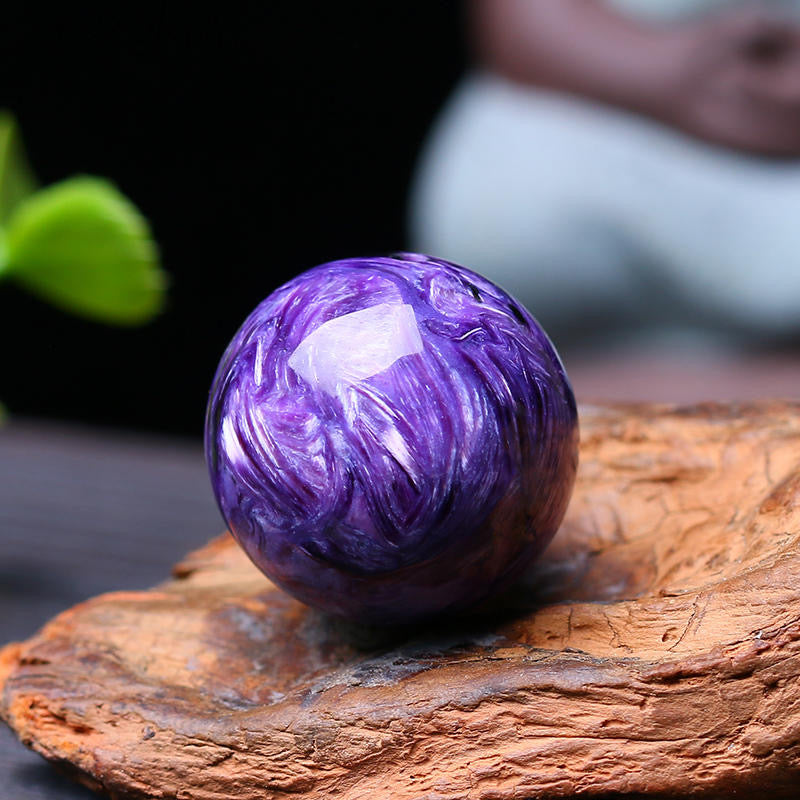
(261, 143)
(257, 143)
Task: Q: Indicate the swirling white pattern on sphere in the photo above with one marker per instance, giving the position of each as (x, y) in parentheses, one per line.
(391, 438)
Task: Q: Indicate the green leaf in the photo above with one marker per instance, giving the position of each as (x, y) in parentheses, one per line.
(84, 247)
(16, 178)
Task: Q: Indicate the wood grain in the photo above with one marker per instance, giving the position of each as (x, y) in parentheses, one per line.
(654, 649)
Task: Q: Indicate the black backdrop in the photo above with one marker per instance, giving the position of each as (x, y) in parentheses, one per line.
(258, 142)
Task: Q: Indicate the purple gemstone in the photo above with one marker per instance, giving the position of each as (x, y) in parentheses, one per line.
(391, 438)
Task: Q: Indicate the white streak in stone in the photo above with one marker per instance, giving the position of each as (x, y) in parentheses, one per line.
(356, 346)
(231, 446)
(259, 362)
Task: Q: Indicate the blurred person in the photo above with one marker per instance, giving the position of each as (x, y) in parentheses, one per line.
(626, 165)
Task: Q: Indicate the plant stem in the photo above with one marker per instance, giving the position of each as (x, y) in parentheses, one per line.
(3, 254)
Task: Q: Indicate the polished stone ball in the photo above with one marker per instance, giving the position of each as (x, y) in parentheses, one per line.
(391, 438)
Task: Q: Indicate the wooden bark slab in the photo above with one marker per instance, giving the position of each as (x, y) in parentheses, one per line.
(654, 649)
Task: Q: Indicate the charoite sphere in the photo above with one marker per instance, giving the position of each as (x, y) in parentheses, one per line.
(391, 438)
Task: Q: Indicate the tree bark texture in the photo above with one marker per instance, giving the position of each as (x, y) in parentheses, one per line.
(653, 650)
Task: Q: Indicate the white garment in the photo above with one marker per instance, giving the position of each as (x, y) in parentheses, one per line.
(593, 216)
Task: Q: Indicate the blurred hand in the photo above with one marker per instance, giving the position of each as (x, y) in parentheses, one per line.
(735, 79)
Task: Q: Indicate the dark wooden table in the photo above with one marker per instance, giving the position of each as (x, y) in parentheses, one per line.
(83, 512)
